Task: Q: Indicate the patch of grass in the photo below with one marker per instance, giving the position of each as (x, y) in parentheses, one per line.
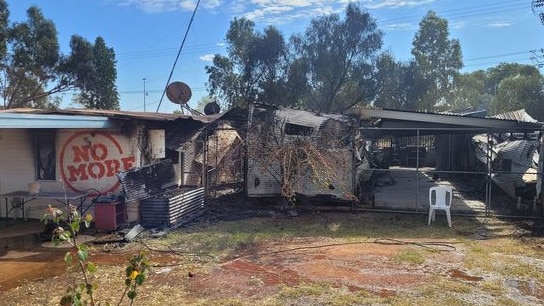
(447, 291)
(410, 256)
(513, 268)
(494, 287)
(457, 286)
(326, 294)
(452, 301)
(311, 289)
(502, 256)
(221, 302)
(255, 282)
(502, 301)
(439, 298)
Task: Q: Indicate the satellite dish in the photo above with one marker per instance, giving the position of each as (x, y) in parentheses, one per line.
(212, 108)
(178, 92)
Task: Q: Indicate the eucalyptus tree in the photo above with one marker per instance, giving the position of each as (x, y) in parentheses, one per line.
(252, 68)
(398, 83)
(33, 70)
(517, 86)
(338, 57)
(439, 60)
(30, 61)
(94, 73)
(469, 92)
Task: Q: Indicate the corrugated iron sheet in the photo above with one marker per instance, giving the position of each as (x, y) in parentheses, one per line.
(519, 115)
(114, 114)
(148, 181)
(162, 203)
(165, 211)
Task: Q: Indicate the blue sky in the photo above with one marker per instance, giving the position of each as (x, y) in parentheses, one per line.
(147, 34)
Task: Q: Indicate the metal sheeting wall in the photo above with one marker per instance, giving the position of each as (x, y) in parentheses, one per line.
(163, 211)
(162, 202)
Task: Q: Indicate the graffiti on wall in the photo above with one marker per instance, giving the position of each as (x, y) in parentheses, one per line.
(91, 159)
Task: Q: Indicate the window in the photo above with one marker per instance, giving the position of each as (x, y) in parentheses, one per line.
(44, 144)
(297, 129)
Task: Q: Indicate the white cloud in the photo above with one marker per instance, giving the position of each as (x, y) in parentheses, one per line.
(268, 11)
(159, 6)
(456, 25)
(401, 26)
(206, 57)
(378, 4)
(499, 24)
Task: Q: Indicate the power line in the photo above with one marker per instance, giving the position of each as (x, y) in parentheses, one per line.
(167, 52)
(481, 10)
(179, 52)
(498, 56)
(477, 10)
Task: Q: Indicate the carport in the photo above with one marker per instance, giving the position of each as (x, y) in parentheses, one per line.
(413, 151)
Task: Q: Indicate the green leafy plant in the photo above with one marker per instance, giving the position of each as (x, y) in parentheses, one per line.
(67, 227)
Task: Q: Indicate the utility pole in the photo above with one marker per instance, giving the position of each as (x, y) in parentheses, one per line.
(144, 93)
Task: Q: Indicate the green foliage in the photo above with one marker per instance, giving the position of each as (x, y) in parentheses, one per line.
(397, 83)
(252, 66)
(98, 75)
(469, 92)
(68, 226)
(30, 65)
(337, 56)
(33, 70)
(516, 86)
(328, 68)
(439, 60)
(135, 274)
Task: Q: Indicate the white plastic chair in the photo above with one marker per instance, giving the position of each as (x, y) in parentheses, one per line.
(442, 201)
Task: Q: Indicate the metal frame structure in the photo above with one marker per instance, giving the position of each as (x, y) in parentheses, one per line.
(418, 132)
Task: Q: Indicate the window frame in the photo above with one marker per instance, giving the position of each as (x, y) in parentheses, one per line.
(45, 143)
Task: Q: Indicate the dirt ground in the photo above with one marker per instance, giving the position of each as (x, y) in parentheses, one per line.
(265, 269)
(355, 266)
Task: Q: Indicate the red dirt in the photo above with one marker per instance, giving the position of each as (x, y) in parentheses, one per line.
(353, 266)
(19, 267)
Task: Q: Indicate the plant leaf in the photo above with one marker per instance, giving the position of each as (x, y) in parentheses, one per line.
(82, 255)
(68, 258)
(91, 267)
(131, 294)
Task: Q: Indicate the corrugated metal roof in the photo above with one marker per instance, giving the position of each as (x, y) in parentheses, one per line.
(113, 114)
(519, 115)
(449, 119)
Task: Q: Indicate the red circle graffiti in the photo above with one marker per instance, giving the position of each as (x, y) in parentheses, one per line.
(99, 156)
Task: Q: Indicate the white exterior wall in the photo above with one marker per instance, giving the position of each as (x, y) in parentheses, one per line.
(15, 145)
(341, 180)
(261, 182)
(84, 159)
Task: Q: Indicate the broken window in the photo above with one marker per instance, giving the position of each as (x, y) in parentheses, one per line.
(44, 144)
(297, 129)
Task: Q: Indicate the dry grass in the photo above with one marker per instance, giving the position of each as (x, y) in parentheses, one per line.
(204, 248)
